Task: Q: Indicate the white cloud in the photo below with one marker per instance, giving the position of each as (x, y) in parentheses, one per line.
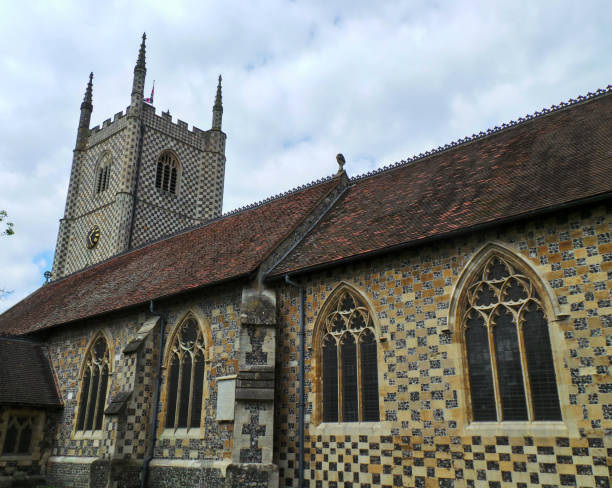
(302, 81)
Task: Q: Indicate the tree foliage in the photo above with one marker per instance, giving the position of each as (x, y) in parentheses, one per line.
(8, 230)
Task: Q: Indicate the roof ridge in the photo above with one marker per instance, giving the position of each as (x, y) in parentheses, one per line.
(600, 92)
(278, 196)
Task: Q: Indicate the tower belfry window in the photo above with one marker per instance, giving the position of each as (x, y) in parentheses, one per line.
(103, 175)
(166, 177)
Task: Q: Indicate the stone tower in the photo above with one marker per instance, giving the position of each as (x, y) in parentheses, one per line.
(137, 178)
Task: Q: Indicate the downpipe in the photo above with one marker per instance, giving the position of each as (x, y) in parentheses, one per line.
(301, 395)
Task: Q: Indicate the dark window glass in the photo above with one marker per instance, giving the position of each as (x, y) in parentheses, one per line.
(159, 174)
(173, 181)
(497, 270)
(172, 391)
(479, 366)
(348, 356)
(99, 182)
(485, 295)
(91, 405)
(186, 377)
(101, 398)
(10, 439)
(166, 177)
(369, 377)
(198, 389)
(509, 371)
(25, 438)
(542, 379)
(330, 380)
(84, 399)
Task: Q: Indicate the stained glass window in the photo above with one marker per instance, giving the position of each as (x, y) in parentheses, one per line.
(186, 377)
(349, 361)
(94, 385)
(509, 356)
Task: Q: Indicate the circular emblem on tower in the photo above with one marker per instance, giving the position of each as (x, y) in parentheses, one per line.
(93, 236)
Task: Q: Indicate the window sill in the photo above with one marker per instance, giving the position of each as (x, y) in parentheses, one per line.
(88, 434)
(192, 433)
(351, 428)
(17, 457)
(536, 429)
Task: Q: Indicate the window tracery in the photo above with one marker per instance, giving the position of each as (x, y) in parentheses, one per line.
(348, 354)
(18, 436)
(186, 377)
(166, 177)
(509, 356)
(94, 385)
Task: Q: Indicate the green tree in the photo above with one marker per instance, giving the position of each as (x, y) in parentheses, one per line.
(8, 231)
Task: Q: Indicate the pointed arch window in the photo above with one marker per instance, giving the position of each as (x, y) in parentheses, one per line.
(348, 355)
(511, 372)
(166, 177)
(103, 175)
(94, 385)
(185, 388)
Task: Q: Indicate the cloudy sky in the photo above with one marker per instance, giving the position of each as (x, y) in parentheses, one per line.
(377, 81)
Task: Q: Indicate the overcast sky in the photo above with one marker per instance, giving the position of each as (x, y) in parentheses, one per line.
(302, 81)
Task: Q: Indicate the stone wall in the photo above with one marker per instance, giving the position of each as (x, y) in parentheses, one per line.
(425, 436)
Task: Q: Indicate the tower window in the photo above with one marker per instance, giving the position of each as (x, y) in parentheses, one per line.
(94, 384)
(186, 377)
(509, 355)
(103, 175)
(166, 177)
(348, 358)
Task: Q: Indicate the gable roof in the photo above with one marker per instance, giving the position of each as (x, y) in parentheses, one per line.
(559, 158)
(26, 374)
(220, 250)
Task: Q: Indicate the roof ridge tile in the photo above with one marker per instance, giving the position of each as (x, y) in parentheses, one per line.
(600, 92)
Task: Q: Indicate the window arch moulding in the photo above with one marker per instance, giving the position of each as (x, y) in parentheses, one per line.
(348, 385)
(95, 375)
(186, 357)
(497, 305)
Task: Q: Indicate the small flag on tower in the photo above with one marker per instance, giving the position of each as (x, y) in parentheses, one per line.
(150, 99)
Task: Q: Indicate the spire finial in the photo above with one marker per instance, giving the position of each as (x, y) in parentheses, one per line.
(341, 162)
(141, 54)
(219, 98)
(87, 99)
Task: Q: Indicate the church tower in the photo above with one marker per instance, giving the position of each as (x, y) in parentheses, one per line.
(137, 178)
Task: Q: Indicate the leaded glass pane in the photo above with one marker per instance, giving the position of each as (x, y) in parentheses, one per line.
(173, 379)
(540, 365)
(91, 404)
(101, 398)
(185, 390)
(514, 291)
(25, 438)
(485, 295)
(198, 389)
(497, 270)
(348, 355)
(479, 367)
(509, 371)
(84, 398)
(10, 439)
(369, 377)
(330, 380)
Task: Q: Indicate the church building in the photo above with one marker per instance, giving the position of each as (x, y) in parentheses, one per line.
(445, 321)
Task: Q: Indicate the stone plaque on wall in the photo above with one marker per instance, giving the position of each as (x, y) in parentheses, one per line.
(226, 398)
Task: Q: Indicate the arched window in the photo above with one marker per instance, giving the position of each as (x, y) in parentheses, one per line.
(185, 377)
(509, 356)
(166, 177)
(103, 174)
(94, 383)
(348, 358)
(19, 431)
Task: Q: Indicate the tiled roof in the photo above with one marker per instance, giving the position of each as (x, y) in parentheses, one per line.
(223, 249)
(555, 158)
(25, 374)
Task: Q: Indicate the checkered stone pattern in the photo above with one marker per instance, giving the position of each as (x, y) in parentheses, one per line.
(422, 383)
(199, 195)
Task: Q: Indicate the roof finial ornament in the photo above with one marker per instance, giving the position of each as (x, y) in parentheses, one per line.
(218, 97)
(87, 99)
(341, 162)
(141, 54)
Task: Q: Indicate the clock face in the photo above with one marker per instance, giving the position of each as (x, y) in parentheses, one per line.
(93, 236)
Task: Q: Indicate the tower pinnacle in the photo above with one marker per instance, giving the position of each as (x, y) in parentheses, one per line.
(218, 108)
(142, 53)
(87, 99)
(140, 72)
(85, 118)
